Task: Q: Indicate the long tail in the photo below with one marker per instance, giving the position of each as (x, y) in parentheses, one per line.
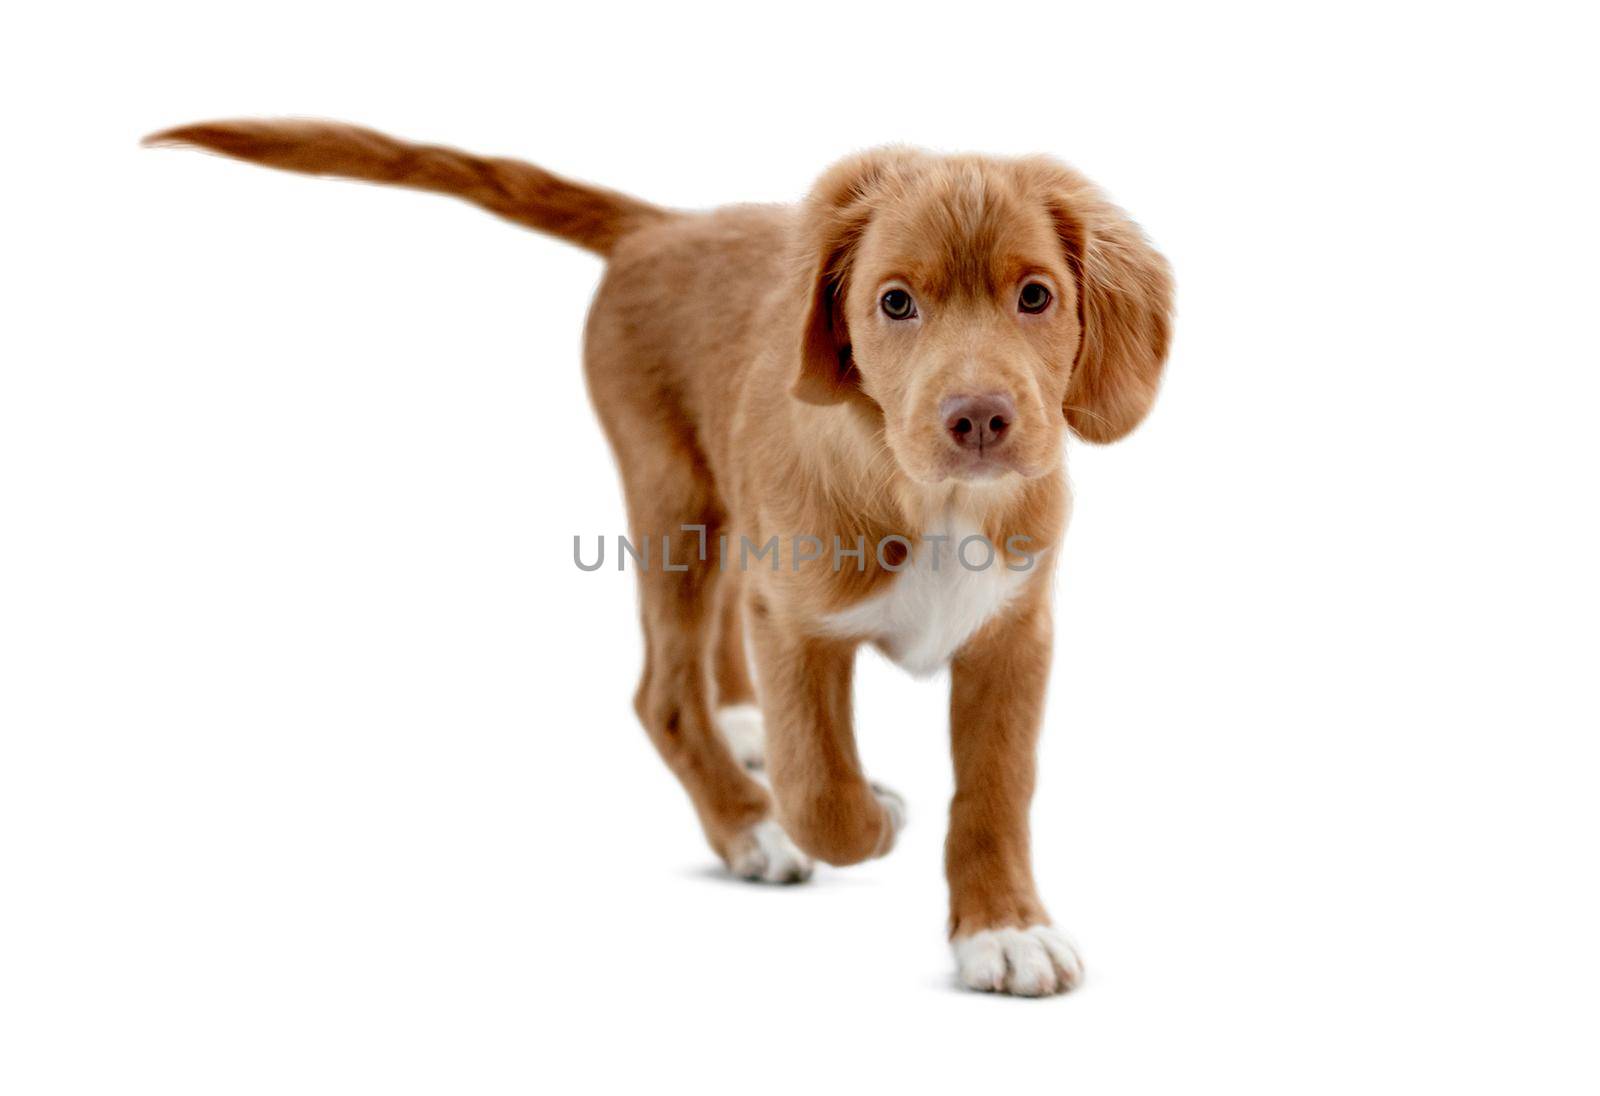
(588, 216)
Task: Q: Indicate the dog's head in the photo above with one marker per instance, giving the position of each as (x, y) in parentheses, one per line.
(981, 305)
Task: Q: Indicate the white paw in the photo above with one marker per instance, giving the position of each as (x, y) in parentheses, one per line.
(1030, 962)
(741, 728)
(764, 853)
(895, 806)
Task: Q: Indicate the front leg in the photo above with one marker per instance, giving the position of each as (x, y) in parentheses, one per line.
(1001, 934)
(824, 803)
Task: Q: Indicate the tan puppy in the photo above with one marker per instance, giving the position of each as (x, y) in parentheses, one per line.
(888, 368)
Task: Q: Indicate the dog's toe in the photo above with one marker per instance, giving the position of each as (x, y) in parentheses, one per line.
(894, 808)
(894, 803)
(742, 729)
(764, 854)
(1031, 962)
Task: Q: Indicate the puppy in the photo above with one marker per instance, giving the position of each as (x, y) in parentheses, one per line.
(868, 393)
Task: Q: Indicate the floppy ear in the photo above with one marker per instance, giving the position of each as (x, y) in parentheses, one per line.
(832, 221)
(1124, 307)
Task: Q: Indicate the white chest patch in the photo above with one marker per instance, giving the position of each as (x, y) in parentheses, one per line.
(936, 602)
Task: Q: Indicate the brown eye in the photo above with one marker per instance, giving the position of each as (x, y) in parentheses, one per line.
(898, 305)
(1035, 298)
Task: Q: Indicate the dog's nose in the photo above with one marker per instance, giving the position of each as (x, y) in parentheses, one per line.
(978, 422)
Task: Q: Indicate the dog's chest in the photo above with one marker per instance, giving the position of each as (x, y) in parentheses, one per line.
(933, 606)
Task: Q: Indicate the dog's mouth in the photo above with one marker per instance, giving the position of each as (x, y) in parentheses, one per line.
(948, 465)
(974, 467)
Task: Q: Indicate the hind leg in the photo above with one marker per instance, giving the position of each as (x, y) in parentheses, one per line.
(667, 487)
(674, 703)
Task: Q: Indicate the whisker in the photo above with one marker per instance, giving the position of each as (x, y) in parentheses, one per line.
(1086, 411)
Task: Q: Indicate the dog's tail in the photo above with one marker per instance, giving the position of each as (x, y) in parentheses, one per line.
(588, 216)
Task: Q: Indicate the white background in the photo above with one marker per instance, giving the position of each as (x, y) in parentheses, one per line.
(319, 770)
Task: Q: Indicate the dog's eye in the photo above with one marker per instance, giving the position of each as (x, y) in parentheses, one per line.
(898, 305)
(1035, 298)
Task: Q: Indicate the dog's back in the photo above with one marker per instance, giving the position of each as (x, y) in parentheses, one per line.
(682, 316)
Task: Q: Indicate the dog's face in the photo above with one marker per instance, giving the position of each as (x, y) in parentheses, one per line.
(982, 306)
(963, 326)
